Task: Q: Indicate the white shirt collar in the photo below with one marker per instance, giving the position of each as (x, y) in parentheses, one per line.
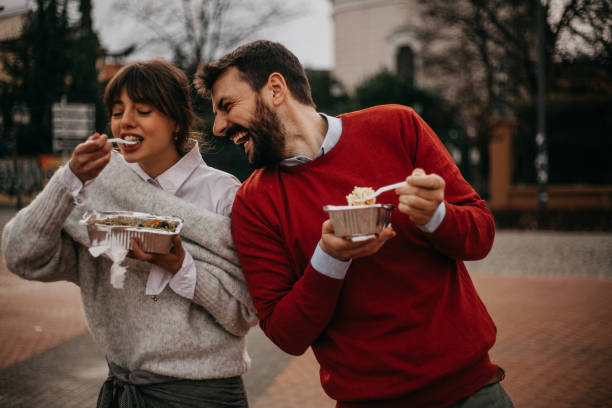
(334, 130)
(173, 178)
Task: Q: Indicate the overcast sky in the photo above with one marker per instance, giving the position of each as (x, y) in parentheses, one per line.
(309, 36)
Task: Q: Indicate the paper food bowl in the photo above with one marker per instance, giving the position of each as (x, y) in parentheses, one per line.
(153, 232)
(359, 222)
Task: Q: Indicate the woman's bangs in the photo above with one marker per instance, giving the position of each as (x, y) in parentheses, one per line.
(142, 89)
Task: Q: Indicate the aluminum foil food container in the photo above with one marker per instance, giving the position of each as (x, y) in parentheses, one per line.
(359, 222)
(146, 228)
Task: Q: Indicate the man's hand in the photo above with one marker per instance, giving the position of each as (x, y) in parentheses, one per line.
(422, 196)
(171, 261)
(343, 249)
(90, 157)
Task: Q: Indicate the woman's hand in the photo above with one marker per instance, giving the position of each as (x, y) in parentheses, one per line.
(421, 197)
(90, 157)
(171, 261)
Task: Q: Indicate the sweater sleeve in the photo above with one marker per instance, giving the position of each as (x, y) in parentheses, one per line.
(294, 306)
(224, 297)
(34, 244)
(468, 229)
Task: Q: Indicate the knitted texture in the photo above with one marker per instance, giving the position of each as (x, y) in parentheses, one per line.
(172, 335)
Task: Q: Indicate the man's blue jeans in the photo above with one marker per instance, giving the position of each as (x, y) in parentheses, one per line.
(489, 396)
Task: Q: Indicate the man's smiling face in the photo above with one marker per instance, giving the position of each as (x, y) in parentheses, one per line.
(242, 116)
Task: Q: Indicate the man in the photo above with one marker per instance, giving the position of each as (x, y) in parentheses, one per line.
(393, 321)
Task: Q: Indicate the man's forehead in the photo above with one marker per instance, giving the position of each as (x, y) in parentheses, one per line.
(230, 84)
(228, 78)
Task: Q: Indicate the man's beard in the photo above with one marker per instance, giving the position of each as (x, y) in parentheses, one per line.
(267, 137)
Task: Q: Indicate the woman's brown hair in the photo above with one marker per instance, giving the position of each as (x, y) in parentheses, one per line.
(158, 83)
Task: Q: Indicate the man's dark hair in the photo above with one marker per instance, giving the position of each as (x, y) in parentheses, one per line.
(256, 61)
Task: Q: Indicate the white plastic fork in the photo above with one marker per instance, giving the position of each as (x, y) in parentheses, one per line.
(383, 189)
(119, 140)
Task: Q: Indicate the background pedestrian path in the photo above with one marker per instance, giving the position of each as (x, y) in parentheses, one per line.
(549, 293)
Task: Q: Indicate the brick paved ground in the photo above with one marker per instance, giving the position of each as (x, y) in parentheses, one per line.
(296, 386)
(554, 333)
(36, 316)
(554, 339)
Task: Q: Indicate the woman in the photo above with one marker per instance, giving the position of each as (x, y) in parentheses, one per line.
(174, 335)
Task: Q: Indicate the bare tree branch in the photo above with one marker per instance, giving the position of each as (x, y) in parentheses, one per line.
(199, 30)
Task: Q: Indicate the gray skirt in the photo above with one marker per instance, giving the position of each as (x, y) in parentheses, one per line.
(142, 389)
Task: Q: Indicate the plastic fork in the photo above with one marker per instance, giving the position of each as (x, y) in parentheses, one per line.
(383, 189)
(119, 140)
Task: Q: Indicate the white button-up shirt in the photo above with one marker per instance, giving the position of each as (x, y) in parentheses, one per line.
(192, 180)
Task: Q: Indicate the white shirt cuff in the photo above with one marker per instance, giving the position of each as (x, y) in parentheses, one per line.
(182, 282)
(435, 220)
(157, 280)
(328, 265)
(73, 183)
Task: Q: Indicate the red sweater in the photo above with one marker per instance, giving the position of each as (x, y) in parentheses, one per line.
(406, 324)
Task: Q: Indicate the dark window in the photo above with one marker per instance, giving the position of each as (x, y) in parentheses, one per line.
(405, 62)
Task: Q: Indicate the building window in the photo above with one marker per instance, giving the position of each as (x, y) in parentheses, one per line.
(405, 62)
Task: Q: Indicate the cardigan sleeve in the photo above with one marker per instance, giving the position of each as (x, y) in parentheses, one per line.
(294, 306)
(467, 230)
(224, 297)
(34, 244)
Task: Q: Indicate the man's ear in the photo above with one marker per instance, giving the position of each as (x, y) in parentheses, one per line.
(277, 88)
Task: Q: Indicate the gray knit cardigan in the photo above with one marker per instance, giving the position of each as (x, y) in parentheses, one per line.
(171, 335)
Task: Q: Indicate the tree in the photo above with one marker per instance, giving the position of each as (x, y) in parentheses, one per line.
(36, 63)
(197, 31)
(328, 93)
(83, 84)
(485, 51)
(51, 58)
(490, 45)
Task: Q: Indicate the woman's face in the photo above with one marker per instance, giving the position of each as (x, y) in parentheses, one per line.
(155, 150)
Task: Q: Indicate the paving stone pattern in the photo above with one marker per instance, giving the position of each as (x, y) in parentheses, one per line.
(36, 316)
(548, 253)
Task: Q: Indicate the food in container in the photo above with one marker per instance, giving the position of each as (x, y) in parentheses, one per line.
(153, 232)
(359, 196)
(359, 222)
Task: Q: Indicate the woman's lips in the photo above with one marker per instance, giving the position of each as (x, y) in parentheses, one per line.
(128, 148)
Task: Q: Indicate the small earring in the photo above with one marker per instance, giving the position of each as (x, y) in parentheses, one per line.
(175, 136)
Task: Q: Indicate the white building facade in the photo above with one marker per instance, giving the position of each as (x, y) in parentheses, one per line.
(371, 35)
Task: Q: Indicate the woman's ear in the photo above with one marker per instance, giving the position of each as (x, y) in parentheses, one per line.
(277, 88)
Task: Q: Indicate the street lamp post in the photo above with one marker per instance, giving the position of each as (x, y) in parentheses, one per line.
(541, 161)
